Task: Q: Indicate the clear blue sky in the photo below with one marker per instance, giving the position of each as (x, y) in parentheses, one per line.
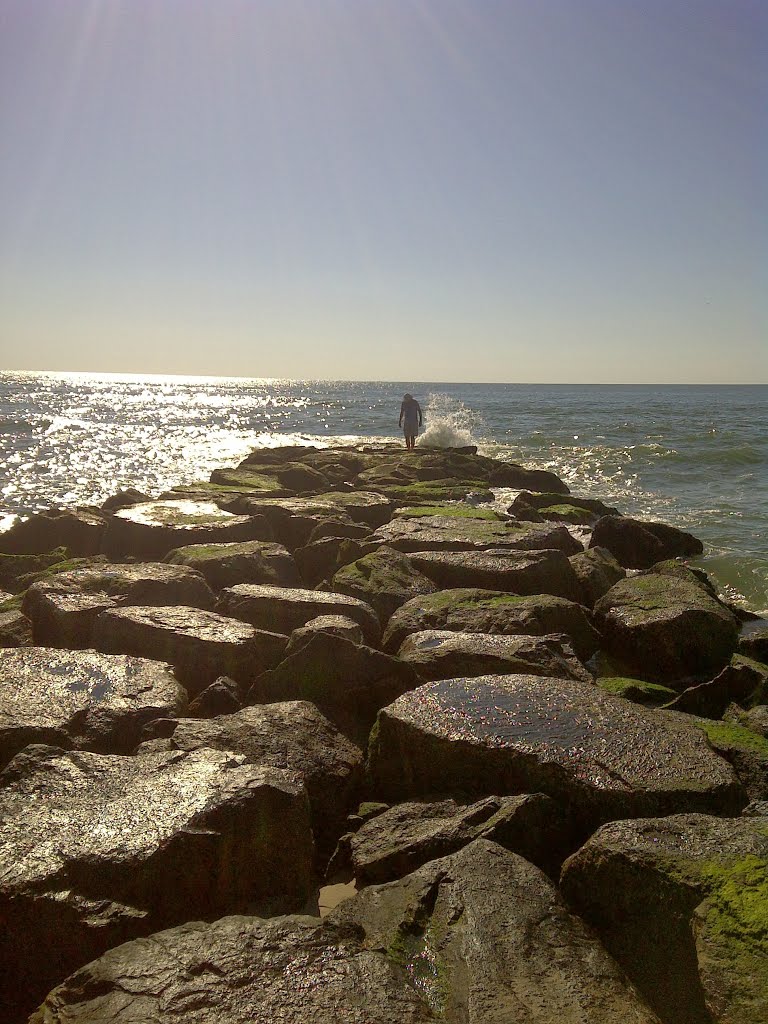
(489, 190)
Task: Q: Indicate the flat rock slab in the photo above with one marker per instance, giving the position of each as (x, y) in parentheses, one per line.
(443, 654)
(385, 579)
(454, 533)
(349, 682)
(81, 699)
(152, 529)
(224, 565)
(603, 756)
(473, 610)
(401, 839)
(666, 629)
(284, 609)
(295, 970)
(682, 903)
(64, 607)
(367, 507)
(293, 735)
(486, 939)
(97, 849)
(200, 645)
(516, 572)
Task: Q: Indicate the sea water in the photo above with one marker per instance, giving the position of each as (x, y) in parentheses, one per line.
(694, 456)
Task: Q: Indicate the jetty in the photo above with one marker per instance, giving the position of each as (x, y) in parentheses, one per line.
(373, 735)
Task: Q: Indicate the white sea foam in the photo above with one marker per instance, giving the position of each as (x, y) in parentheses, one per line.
(449, 423)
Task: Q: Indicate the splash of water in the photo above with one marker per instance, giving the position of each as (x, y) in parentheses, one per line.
(449, 423)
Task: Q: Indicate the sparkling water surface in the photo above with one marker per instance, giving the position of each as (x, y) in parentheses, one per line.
(695, 456)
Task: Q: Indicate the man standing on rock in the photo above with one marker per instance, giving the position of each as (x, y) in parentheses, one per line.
(410, 419)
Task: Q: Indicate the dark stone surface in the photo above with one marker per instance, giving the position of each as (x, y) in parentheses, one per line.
(525, 500)
(15, 629)
(486, 939)
(339, 625)
(254, 561)
(515, 572)
(753, 643)
(349, 682)
(637, 544)
(443, 654)
(602, 756)
(472, 610)
(296, 736)
(738, 683)
(152, 529)
(63, 608)
(200, 645)
(385, 579)
(284, 609)
(596, 570)
(295, 970)
(79, 530)
(666, 629)
(464, 533)
(81, 699)
(222, 697)
(98, 849)
(402, 838)
(681, 903)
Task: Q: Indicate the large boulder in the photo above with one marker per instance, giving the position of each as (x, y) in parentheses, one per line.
(487, 939)
(63, 608)
(753, 643)
(295, 970)
(545, 504)
(284, 608)
(444, 654)
(254, 561)
(516, 572)
(385, 579)
(97, 849)
(596, 570)
(637, 544)
(464, 533)
(339, 625)
(200, 645)
(602, 756)
(666, 629)
(151, 529)
(682, 904)
(742, 681)
(81, 699)
(18, 571)
(15, 628)
(349, 682)
(742, 747)
(405, 836)
(318, 560)
(79, 530)
(471, 610)
(292, 735)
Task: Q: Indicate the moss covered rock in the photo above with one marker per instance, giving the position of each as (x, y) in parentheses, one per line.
(224, 565)
(385, 579)
(682, 904)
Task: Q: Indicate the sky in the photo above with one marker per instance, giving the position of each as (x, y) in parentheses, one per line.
(455, 190)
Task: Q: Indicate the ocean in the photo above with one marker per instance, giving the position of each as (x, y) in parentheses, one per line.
(695, 456)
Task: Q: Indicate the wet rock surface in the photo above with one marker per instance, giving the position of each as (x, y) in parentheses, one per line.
(283, 609)
(177, 818)
(385, 579)
(293, 735)
(296, 970)
(224, 565)
(349, 682)
(152, 529)
(442, 654)
(517, 572)
(81, 699)
(605, 757)
(200, 645)
(473, 610)
(485, 937)
(97, 849)
(402, 838)
(682, 903)
(453, 533)
(666, 630)
(63, 608)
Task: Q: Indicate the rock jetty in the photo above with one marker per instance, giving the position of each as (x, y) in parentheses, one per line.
(518, 730)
